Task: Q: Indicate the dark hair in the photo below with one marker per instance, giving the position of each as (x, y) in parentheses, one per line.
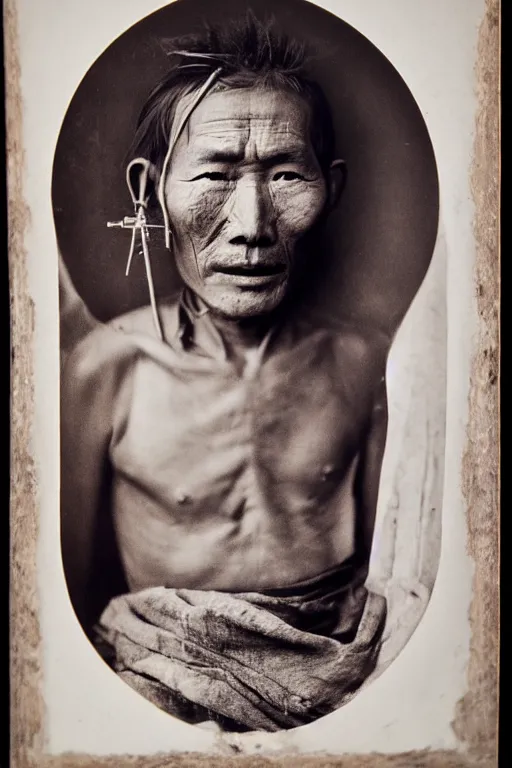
(252, 54)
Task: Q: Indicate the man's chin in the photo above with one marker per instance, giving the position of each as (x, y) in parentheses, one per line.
(245, 303)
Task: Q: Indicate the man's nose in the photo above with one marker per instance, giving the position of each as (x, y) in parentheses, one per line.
(253, 215)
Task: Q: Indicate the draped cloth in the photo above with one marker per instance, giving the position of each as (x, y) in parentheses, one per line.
(266, 661)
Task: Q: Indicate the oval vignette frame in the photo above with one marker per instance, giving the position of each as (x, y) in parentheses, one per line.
(384, 157)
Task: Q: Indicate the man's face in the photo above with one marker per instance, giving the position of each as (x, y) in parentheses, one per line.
(244, 187)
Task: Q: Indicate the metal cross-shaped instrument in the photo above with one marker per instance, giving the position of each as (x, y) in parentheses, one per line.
(137, 175)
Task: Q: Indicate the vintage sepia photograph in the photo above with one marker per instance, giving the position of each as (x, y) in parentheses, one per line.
(246, 205)
(254, 294)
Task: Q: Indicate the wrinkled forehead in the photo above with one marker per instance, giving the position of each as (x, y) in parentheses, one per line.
(257, 115)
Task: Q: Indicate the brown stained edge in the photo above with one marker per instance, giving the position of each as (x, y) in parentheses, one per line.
(476, 718)
(423, 759)
(477, 712)
(27, 704)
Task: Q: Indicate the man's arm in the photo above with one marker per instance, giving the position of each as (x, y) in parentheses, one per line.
(90, 388)
(368, 477)
(75, 319)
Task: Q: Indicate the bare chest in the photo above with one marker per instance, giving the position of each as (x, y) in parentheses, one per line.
(226, 480)
(282, 437)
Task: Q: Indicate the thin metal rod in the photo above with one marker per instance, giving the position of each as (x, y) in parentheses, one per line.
(161, 186)
(132, 225)
(130, 255)
(152, 298)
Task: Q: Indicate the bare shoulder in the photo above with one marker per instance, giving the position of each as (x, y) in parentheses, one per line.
(361, 352)
(362, 343)
(358, 346)
(137, 321)
(102, 357)
(141, 320)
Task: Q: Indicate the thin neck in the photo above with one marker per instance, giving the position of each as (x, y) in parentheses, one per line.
(242, 335)
(239, 336)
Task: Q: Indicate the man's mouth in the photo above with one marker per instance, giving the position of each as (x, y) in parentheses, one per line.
(250, 276)
(252, 270)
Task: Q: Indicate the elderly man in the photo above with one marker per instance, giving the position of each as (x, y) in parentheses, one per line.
(221, 452)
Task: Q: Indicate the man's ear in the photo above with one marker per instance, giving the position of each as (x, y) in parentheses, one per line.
(336, 178)
(142, 179)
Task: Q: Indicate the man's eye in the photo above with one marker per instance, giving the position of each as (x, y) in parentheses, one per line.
(288, 176)
(213, 176)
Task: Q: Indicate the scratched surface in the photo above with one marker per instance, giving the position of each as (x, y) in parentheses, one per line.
(475, 721)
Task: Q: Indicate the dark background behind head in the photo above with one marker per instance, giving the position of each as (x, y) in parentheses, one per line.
(379, 240)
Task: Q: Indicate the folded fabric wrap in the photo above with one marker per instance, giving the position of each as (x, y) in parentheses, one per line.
(270, 660)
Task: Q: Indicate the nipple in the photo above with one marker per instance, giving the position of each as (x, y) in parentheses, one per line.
(182, 497)
(327, 472)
